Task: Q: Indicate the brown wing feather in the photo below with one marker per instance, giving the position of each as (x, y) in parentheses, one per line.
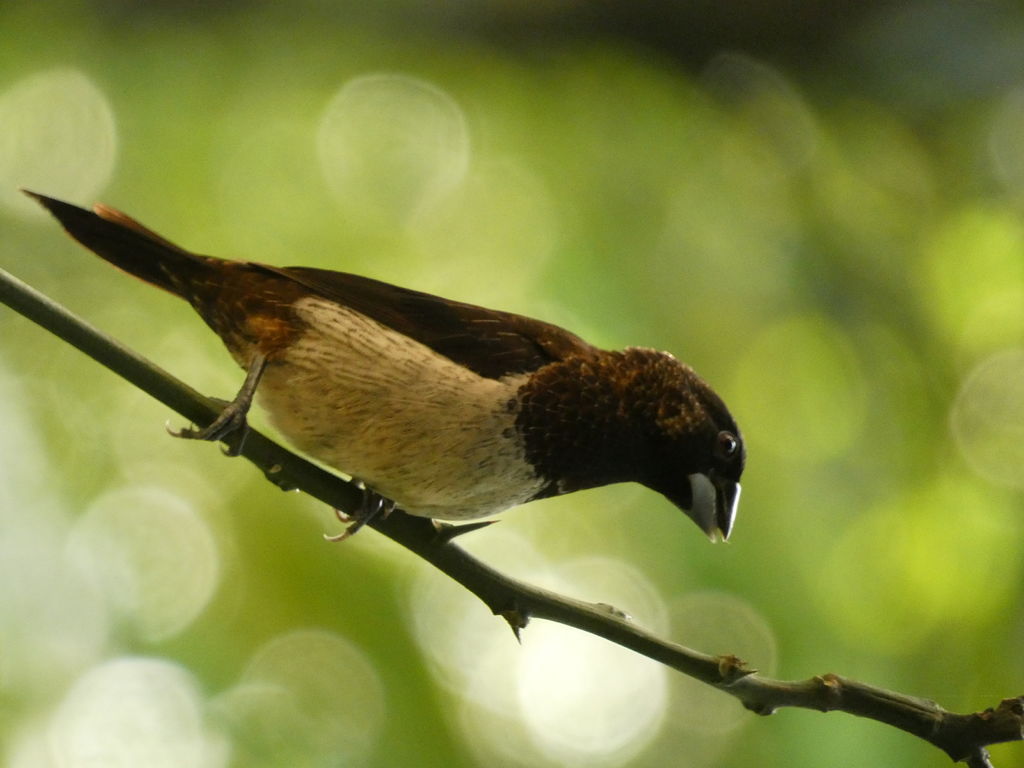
(487, 341)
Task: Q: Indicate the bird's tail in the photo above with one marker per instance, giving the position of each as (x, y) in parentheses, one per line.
(126, 244)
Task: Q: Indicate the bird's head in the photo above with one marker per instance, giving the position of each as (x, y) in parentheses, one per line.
(694, 453)
(636, 415)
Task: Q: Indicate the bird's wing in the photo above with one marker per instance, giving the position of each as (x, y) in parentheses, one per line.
(489, 342)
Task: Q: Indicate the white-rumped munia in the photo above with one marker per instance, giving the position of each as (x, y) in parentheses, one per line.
(449, 410)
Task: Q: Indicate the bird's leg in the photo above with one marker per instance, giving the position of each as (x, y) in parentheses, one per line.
(232, 418)
(373, 506)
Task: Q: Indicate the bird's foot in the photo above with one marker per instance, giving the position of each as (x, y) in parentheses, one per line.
(231, 420)
(373, 506)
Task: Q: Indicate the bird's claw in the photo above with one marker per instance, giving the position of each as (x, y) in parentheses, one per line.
(229, 422)
(374, 506)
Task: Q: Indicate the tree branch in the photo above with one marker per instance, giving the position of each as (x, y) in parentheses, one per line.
(961, 736)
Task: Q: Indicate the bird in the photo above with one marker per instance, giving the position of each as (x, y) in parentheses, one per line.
(443, 409)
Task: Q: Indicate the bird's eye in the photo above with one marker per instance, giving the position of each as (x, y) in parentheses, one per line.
(727, 445)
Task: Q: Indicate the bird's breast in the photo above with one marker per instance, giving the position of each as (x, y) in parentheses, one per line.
(416, 427)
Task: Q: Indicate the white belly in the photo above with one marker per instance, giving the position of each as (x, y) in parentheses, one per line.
(417, 428)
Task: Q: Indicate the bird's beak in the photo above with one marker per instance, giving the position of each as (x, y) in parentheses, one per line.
(714, 504)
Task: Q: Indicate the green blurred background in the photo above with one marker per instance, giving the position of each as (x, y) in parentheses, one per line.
(817, 205)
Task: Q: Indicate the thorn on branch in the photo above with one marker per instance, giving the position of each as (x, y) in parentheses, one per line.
(517, 620)
(979, 758)
(273, 474)
(446, 531)
(611, 610)
(1013, 707)
(762, 708)
(733, 668)
(831, 687)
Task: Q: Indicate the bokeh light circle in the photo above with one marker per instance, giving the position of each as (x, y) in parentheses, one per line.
(390, 144)
(307, 697)
(586, 701)
(987, 419)
(720, 623)
(153, 556)
(447, 644)
(562, 697)
(131, 712)
(1006, 141)
(59, 136)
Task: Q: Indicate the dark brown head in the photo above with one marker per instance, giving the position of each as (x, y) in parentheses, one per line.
(636, 415)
